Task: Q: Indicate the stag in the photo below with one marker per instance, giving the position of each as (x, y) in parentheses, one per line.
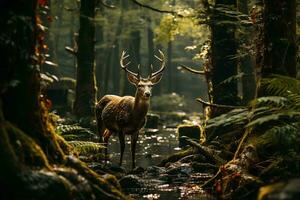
(127, 115)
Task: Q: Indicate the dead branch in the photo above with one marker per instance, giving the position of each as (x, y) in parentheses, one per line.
(189, 69)
(156, 9)
(205, 103)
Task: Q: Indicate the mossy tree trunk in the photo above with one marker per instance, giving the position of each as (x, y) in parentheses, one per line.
(86, 84)
(33, 164)
(22, 103)
(279, 39)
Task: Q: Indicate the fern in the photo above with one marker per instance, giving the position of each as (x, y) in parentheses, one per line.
(281, 85)
(276, 115)
(86, 148)
(70, 132)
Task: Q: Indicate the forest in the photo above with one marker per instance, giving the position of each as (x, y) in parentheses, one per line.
(149, 100)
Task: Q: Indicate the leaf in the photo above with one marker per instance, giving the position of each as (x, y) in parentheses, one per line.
(272, 117)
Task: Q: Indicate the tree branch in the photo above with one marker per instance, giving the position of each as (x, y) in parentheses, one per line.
(191, 70)
(156, 9)
(205, 103)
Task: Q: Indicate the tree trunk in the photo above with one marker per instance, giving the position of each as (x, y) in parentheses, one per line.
(280, 47)
(247, 63)
(22, 103)
(224, 66)
(169, 66)
(86, 84)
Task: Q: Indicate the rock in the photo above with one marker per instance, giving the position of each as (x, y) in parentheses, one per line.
(282, 190)
(152, 121)
(190, 131)
(179, 168)
(137, 170)
(117, 169)
(154, 170)
(131, 181)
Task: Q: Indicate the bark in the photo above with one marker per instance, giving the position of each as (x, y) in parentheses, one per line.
(247, 62)
(86, 84)
(169, 67)
(279, 37)
(223, 46)
(22, 103)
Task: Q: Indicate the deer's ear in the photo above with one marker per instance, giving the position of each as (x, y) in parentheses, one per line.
(132, 79)
(155, 79)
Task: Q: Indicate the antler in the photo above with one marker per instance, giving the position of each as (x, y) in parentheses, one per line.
(124, 66)
(163, 63)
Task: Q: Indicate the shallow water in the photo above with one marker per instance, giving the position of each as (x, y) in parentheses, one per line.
(152, 147)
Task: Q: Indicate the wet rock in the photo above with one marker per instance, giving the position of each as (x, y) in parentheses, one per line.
(282, 190)
(137, 170)
(179, 168)
(152, 121)
(155, 170)
(190, 131)
(117, 169)
(44, 185)
(131, 181)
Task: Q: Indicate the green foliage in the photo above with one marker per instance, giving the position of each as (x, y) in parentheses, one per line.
(273, 119)
(281, 85)
(74, 132)
(86, 147)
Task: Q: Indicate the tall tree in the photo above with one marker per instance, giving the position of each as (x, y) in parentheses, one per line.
(223, 50)
(86, 83)
(246, 61)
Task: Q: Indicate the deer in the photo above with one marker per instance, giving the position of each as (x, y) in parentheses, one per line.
(126, 115)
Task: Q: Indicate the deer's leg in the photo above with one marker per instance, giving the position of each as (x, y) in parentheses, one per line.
(134, 139)
(106, 136)
(122, 146)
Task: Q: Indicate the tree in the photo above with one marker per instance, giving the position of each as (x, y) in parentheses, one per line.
(36, 163)
(223, 50)
(86, 84)
(246, 60)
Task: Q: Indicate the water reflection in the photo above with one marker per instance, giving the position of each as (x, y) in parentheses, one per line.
(153, 146)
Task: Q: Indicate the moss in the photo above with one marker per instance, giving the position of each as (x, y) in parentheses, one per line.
(26, 149)
(66, 148)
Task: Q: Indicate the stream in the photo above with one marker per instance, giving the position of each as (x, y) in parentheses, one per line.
(153, 146)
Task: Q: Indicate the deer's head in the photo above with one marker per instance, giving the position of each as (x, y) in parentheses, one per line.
(144, 85)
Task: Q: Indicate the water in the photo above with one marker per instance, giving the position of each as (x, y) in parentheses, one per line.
(153, 146)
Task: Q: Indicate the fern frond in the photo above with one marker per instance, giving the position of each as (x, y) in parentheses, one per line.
(85, 147)
(273, 117)
(281, 85)
(234, 117)
(74, 129)
(269, 100)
